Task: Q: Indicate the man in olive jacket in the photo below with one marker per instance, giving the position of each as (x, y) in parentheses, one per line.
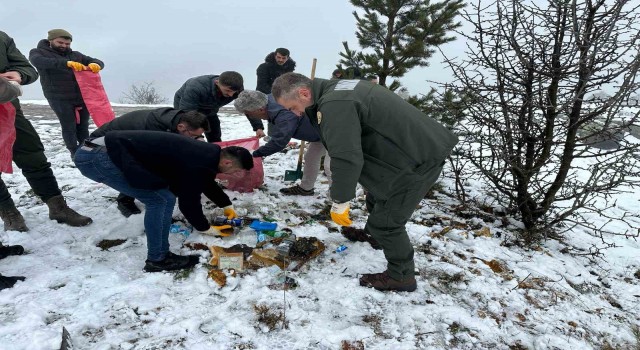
(56, 62)
(375, 138)
(28, 151)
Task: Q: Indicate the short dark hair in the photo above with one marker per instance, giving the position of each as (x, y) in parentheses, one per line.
(282, 51)
(194, 120)
(232, 79)
(241, 156)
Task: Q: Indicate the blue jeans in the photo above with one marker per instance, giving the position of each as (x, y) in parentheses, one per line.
(96, 165)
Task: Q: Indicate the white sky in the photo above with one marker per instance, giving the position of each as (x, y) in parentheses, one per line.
(168, 42)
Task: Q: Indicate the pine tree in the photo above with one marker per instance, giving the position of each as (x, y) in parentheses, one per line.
(399, 35)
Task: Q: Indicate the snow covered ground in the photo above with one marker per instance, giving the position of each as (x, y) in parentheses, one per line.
(475, 291)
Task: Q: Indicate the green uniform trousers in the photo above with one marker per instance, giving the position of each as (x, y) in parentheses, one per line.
(28, 155)
(387, 220)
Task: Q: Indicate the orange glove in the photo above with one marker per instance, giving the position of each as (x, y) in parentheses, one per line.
(229, 212)
(76, 66)
(94, 67)
(340, 214)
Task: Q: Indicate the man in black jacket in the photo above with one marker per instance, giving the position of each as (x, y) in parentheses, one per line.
(156, 167)
(275, 64)
(28, 151)
(187, 123)
(207, 93)
(56, 62)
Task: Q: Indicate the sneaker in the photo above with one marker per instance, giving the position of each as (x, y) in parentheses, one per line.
(9, 281)
(172, 262)
(360, 235)
(6, 250)
(296, 191)
(128, 207)
(383, 282)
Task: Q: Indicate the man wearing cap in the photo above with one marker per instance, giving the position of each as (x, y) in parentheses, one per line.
(207, 93)
(28, 151)
(56, 62)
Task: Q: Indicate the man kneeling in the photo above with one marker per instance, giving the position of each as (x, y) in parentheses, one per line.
(156, 167)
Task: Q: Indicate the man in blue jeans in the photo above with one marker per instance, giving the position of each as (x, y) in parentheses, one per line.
(156, 167)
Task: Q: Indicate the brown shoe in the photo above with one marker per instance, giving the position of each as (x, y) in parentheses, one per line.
(296, 191)
(13, 220)
(60, 211)
(383, 282)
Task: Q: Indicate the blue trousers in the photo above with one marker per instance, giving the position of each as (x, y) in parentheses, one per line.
(96, 165)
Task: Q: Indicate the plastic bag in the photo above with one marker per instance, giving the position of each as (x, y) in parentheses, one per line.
(246, 180)
(7, 136)
(94, 96)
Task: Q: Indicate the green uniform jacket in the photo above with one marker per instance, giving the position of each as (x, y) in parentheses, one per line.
(375, 137)
(11, 59)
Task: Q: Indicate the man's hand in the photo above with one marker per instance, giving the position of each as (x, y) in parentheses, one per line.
(94, 67)
(229, 212)
(340, 214)
(76, 66)
(12, 76)
(260, 133)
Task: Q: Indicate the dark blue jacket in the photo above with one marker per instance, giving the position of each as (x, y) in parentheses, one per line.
(288, 125)
(58, 81)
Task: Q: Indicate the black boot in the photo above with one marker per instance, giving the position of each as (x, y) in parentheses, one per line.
(127, 206)
(6, 250)
(172, 262)
(9, 281)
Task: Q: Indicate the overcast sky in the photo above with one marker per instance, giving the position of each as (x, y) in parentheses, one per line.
(167, 42)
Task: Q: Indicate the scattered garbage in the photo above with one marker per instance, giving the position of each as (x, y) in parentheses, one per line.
(180, 229)
(341, 248)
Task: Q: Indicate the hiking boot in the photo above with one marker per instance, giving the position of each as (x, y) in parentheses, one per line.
(13, 220)
(60, 211)
(6, 250)
(9, 281)
(360, 235)
(127, 206)
(296, 191)
(172, 262)
(383, 282)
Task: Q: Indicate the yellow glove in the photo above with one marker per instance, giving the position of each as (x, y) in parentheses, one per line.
(76, 66)
(218, 231)
(94, 67)
(229, 212)
(340, 214)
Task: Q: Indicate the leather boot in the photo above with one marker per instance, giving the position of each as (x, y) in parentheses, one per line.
(9, 281)
(60, 211)
(7, 250)
(13, 220)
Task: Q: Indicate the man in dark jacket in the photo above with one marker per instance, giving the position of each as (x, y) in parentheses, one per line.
(187, 123)
(275, 64)
(28, 151)
(156, 167)
(56, 62)
(206, 94)
(391, 148)
(255, 104)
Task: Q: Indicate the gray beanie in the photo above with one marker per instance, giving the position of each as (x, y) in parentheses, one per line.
(59, 33)
(250, 100)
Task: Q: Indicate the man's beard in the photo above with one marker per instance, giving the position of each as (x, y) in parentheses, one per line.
(60, 49)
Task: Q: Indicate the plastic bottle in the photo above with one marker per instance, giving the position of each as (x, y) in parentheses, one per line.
(222, 220)
(341, 248)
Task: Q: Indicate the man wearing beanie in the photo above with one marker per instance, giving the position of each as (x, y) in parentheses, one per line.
(28, 151)
(56, 62)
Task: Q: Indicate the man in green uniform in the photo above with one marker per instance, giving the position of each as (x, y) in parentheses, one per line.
(375, 138)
